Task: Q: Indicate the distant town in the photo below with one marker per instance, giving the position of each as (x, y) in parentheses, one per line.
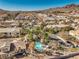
(45, 34)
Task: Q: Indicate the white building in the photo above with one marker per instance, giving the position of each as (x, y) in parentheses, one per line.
(75, 33)
(8, 23)
(10, 32)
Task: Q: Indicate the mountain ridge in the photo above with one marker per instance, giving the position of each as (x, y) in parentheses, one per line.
(67, 8)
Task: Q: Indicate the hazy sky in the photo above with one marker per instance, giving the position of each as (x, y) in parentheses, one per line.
(34, 4)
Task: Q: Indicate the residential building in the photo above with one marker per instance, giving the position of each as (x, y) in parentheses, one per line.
(75, 33)
(10, 32)
(8, 23)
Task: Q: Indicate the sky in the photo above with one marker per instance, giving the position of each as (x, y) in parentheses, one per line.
(32, 5)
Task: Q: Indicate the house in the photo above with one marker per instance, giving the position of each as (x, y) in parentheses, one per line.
(23, 16)
(49, 20)
(57, 38)
(63, 38)
(57, 26)
(3, 17)
(42, 15)
(61, 17)
(10, 32)
(8, 23)
(75, 33)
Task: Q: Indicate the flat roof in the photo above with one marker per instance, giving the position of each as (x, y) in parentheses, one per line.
(3, 30)
(59, 25)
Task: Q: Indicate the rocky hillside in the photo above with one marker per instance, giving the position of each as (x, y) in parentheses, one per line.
(65, 9)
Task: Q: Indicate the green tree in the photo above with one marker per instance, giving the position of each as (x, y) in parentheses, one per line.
(46, 37)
